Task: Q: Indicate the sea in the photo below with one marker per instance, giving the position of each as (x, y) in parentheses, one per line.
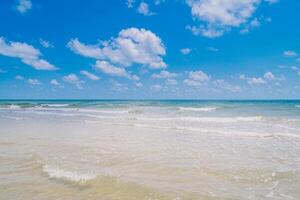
(149, 149)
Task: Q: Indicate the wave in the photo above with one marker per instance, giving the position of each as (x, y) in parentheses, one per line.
(297, 106)
(198, 109)
(55, 172)
(55, 105)
(9, 107)
(222, 119)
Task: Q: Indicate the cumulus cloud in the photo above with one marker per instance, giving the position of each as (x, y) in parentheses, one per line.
(130, 3)
(207, 32)
(73, 79)
(171, 82)
(55, 83)
(156, 87)
(144, 9)
(255, 23)
(268, 76)
(27, 53)
(164, 75)
(110, 69)
(290, 53)
(19, 77)
(23, 6)
(253, 80)
(46, 44)
(223, 85)
(185, 51)
(89, 75)
(34, 82)
(220, 16)
(139, 84)
(132, 46)
(296, 69)
(118, 86)
(196, 78)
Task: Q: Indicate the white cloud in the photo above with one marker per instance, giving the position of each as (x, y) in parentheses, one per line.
(185, 51)
(46, 44)
(92, 51)
(73, 79)
(55, 83)
(144, 9)
(193, 83)
(213, 49)
(255, 23)
(296, 69)
(132, 46)
(196, 78)
(27, 53)
(118, 86)
(139, 84)
(222, 84)
(110, 69)
(256, 81)
(290, 53)
(202, 30)
(164, 74)
(269, 76)
(130, 3)
(34, 82)
(89, 75)
(171, 82)
(220, 15)
(156, 87)
(19, 77)
(24, 6)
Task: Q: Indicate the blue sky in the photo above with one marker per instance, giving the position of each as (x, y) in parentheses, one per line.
(204, 49)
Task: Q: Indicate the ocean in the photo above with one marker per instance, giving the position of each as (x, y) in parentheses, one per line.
(149, 149)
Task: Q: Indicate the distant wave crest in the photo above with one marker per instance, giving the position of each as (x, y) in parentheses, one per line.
(198, 109)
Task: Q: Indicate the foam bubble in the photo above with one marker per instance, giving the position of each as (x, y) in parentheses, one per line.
(55, 172)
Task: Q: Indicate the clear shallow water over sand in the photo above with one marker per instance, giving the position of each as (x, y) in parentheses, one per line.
(149, 150)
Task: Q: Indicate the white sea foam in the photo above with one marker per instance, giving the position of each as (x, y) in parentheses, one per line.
(55, 172)
(198, 109)
(297, 106)
(10, 107)
(222, 119)
(55, 105)
(14, 107)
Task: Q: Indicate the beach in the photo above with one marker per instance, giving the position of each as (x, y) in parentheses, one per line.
(155, 149)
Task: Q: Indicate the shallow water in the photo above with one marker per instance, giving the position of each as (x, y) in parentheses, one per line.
(149, 150)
